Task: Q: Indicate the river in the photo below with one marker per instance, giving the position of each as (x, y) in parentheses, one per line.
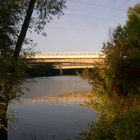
(51, 109)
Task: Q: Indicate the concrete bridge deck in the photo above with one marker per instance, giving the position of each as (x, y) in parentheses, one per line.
(69, 57)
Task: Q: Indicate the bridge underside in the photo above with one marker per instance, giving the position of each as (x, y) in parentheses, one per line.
(73, 66)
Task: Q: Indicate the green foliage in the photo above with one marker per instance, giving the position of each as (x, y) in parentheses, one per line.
(119, 128)
(12, 71)
(8, 31)
(123, 63)
(133, 22)
(11, 76)
(116, 82)
(119, 75)
(45, 11)
(11, 16)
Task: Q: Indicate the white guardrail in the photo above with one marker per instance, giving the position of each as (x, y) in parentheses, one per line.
(69, 55)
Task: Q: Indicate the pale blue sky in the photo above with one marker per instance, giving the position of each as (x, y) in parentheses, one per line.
(84, 26)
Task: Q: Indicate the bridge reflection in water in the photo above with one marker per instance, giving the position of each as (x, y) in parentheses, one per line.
(62, 99)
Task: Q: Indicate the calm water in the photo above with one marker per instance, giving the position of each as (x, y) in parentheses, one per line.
(51, 109)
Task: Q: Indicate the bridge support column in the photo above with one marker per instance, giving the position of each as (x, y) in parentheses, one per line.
(60, 70)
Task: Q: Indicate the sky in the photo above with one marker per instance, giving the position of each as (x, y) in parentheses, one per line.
(84, 27)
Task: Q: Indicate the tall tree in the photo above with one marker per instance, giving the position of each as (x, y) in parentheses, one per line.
(121, 74)
(116, 84)
(11, 72)
(118, 77)
(12, 13)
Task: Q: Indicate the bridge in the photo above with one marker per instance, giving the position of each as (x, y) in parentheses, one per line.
(69, 60)
(68, 57)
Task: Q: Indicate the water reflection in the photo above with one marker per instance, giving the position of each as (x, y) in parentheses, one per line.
(52, 109)
(70, 98)
(47, 120)
(52, 86)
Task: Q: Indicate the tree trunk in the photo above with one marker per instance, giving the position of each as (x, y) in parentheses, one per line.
(24, 29)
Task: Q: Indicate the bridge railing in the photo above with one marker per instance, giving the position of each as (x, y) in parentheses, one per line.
(69, 55)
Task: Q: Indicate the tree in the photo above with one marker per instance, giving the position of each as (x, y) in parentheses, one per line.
(120, 73)
(133, 22)
(45, 10)
(9, 17)
(12, 72)
(116, 84)
(123, 54)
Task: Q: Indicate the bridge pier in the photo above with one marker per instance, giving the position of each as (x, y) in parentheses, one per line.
(60, 70)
